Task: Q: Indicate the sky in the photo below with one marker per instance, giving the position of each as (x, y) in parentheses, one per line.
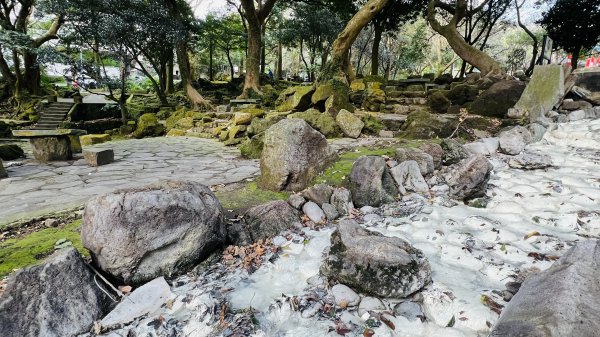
(203, 7)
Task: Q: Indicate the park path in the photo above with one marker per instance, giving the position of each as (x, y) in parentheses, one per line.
(34, 189)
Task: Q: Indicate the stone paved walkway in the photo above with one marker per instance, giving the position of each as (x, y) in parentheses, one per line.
(33, 189)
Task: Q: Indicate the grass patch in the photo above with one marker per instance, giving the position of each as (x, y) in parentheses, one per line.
(35, 247)
(246, 195)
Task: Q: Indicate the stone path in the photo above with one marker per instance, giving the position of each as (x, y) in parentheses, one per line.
(33, 189)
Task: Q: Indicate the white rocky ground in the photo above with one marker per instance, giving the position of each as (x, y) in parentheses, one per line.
(531, 218)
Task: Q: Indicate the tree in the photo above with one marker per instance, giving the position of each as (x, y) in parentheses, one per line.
(17, 41)
(534, 39)
(457, 11)
(573, 30)
(255, 14)
(226, 33)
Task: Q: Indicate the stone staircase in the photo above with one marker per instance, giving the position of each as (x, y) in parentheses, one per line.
(53, 115)
(401, 101)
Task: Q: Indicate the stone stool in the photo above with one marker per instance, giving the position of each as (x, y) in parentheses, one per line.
(98, 157)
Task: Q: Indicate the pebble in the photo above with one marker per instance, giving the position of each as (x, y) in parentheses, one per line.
(344, 296)
(370, 304)
(279, 241)
(51, 223)
(314, 212)
(296, 200)
(411, 310)
(368, 210)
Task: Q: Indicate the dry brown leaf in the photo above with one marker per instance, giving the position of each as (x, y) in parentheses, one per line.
(490, 303)
(532, 234)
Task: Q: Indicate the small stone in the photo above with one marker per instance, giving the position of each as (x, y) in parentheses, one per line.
(96, 157)
(368, 210)
(454, 152)
(386, 134)
(314, 212)
(312, 310)
(330, 211)
(513, 287)
(577, 115)
(342, 294)
(370, 304)
(514, 141)
(51, 223)
(408, 177)
(530, 161)
(342, 200)
(424, 160)
(507, 296)
(319, 194)
(297, 201)
(411, 310)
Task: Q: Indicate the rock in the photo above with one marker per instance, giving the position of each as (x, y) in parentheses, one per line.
(295, 99)
(98, 157)
(462, 93)
(571, 105)
(11, 152)
(371, 183)
(373, 99)
(314, 212)
(296, 201)
(537, 132)
(148, 126)
(58, 298)
(51, 223)
(375, 264)
(145, 300)
(47, 149)
(424, 160)
(408, 177)
(293, 154)
(514, 140)
(370, 304)
(350, 124)
(438, 102)
(319, 194)
(435, 151)
(423, 125)
(358, 85)
(412, 311)
(386, 134)
(3, 173)
(252, 148)
(577, 115)
(330, 211)
(341, 199)
(558, 302)
(483, 146)
(498, 99)
(443, 79)
(545, 89)
(530, 161)
(332, 97)
(138, 234)
(454, 152)
(320, 121)
(270, 219)
(242, 118)
(469, 178)
(88, 140)
(344, 296)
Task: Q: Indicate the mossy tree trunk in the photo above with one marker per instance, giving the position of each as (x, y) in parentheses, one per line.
(339, 66)
(459, 11)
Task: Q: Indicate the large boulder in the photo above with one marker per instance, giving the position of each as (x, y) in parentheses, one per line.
(423, 125)
(438, 102)
(350, 124)
(270, 219)
(47, 149)
(435, 151)
(332, 96)
(462, 93)
(371, 183)
(514, 140)
(468, 179)
(500, 97)
(545, 89)
(11, 152)
(162, 229)
(561, 301)
(423, 159)
(375, 264)
(293, 154)
(373, 99)
(408, 177)
(295, 99)
(148, 126)
(58, 298)
(320, 121)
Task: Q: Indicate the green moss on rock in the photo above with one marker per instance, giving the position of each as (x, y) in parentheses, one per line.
(252, 148)
(322, 122)
(148, 126)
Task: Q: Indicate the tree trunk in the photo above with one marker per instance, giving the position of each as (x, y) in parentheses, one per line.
(279, 70)
(123, 97)
(375, 51)
(252, 80)
(170, 85)
(232, 71)
(575, 59)
(338, 66)
(211, 48)
(263, 51)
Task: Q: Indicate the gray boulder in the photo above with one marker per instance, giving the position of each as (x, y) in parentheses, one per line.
(454, 152)
(350, 124)
(58, 298)
(484, 146)
(577, 115)
(341, 199)
(162, 229)
(371, 183)
(408, 177)
(530, 161)
(561, 301)
(514, 140)
(537, 132)
(423, 159)
(293, 154)
(270, 219)
(435, 151)
(495, 101)
(469, 178)
(545, 89)
(3, 173)
(330, 211)
(374, 264)
(319, 194)
(314, 212)
(296, 201)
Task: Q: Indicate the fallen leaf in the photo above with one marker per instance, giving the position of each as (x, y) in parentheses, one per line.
(387, 322)
(368, 333)
(490, 303)
(532, 234)
(125, 289)
(451, 323)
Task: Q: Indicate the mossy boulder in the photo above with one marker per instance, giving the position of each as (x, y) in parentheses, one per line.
(260, 125)
(11, 152)
(176, 133)
(255, 112)
(295, 99)
(373, 125)
(424, 125)
(252, 148)
(185, 123)
(148, 126)
(322, 122)
(373, 99)
(88, 140)
(242, 118)
(500, 97)
(358, 85)
(350, 124)
(332, 97)
(192, 116)
(462, 93)
(438, 102)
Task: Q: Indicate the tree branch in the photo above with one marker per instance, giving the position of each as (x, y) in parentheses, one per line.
(52, 32)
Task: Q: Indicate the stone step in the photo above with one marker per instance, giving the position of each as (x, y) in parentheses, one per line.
(406, 101)
(400, 109)
(407, 94)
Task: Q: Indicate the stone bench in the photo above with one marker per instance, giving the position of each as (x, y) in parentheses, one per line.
(98, 157)
(52, 145)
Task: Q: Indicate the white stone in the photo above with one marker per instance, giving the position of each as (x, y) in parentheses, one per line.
(370, 304)
(343, 295)
(314, 212)
(408, 177)
(577, 115)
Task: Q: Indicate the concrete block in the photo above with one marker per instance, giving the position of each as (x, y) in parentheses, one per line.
(97, 157)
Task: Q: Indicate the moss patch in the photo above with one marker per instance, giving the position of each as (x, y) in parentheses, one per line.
(246, 195)
(32, 249)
